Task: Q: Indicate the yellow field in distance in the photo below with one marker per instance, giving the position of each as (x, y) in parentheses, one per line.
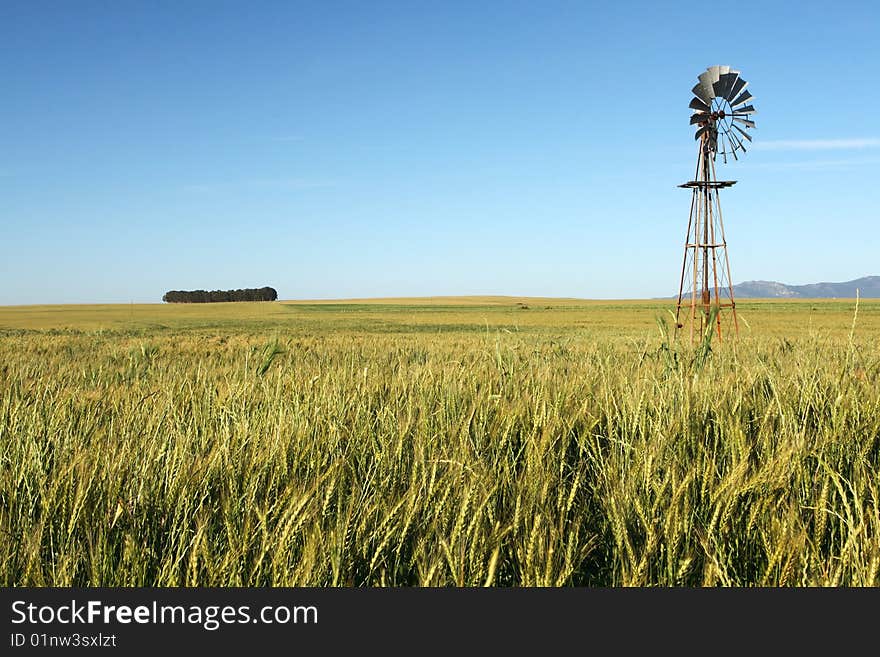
(444, 314)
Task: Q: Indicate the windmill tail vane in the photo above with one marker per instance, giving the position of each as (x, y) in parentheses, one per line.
(722, 112)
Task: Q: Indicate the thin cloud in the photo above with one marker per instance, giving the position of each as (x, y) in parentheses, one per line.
(817, 144)
(818, 164)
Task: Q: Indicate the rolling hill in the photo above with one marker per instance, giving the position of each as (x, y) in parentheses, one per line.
(868, 287)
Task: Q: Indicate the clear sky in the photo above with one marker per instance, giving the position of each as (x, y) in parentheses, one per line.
(363, 149)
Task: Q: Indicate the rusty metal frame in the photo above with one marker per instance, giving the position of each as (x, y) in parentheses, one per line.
(705, 226)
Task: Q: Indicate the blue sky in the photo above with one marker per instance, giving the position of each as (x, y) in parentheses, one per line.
(353, 149)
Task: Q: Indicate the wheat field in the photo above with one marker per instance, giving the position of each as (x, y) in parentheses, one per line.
(438, 442)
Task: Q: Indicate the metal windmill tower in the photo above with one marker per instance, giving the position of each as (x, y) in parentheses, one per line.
(722, 114)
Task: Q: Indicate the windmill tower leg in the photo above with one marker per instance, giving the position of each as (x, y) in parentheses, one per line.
(685, 308)
(685, 271)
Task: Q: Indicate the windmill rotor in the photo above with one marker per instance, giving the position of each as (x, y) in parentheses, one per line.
(722, 111)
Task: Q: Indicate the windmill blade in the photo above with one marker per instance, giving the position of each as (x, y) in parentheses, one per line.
(702, 131)
(748, 109)
(735, 88)
(737, 143)
(700, 117)
(726, 134)
(702, 92)
(714, 73)
(745, 122)
(699, 105)
(742, 132)
(741, 99)
(723, 70)
(733, 144)
(706, 78)
(725, 82)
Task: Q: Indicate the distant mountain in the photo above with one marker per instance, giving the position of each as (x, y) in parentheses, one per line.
(868, 287)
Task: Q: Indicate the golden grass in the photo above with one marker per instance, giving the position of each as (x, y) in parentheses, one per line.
(607, 317)
(438, 442)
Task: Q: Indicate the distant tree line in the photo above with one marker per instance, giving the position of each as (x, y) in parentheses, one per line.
(214, 296)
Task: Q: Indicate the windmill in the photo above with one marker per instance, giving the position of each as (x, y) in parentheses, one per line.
(722, 114)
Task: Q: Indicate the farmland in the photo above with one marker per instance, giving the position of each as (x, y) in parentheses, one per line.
(438, 442)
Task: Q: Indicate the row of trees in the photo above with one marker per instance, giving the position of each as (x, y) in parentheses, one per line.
(214, 296)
